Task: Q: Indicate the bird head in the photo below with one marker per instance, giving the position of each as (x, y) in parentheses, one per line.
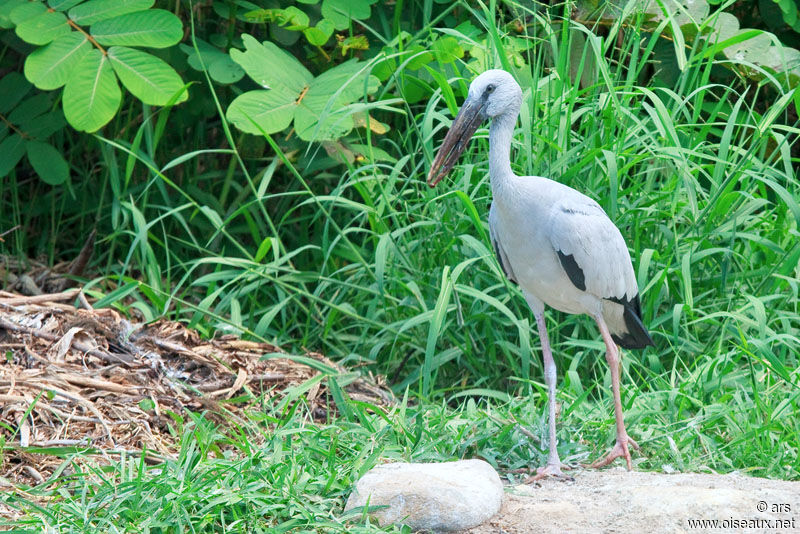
(493, 93)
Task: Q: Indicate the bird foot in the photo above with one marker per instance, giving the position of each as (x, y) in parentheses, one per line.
(553, 470)
(620, 449)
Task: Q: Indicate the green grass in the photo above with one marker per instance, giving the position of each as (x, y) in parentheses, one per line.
(279, 472)
(697, 167)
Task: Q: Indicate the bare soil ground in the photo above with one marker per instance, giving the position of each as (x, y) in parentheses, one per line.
(618, 501)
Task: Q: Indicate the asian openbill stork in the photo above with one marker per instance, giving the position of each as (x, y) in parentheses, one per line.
(557, 244)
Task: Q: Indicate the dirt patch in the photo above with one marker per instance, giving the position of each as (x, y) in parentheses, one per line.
(91, 381)
(619, 501)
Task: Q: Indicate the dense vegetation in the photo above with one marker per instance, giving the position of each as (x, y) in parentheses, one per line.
(299, 215)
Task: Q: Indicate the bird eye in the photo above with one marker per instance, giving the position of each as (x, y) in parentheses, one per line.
(489, 88)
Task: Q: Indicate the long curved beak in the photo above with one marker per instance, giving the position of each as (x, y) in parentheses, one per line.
(466, 122)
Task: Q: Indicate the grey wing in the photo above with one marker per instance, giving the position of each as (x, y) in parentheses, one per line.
(497, 245)
(591, 249)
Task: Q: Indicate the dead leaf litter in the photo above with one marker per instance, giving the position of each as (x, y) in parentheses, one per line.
(93, 380)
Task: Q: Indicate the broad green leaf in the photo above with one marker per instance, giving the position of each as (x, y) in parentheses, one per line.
(340, 12)
(147, 77)
(13, 87)
(42, 29)
(91, 96)
(321, 113)
(11, 151)
(221, 67)
(681, 12)
(48, 163)
(318, 35)
(295, 19)
(49, 67)
(271, 110)
(271, 67)
(225, 70)
(5, 12)
(419, 57)
(446, 49)
(154, 28)
(781, 58)
(62, 5)
(46, 125)
(208, 53)
(26, 11)
(753, 50)
(29, 109)
(723, 27)
(93, 11)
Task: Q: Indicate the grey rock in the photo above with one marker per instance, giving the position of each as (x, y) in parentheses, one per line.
(440, 497)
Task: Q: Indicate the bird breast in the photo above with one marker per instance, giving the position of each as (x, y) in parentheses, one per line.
(520, 224)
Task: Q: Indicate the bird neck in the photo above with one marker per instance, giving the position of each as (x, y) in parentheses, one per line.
(500, 133)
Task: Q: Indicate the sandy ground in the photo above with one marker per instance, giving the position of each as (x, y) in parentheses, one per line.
(622, 502)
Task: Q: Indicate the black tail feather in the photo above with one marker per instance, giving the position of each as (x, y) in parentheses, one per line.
(637, 336)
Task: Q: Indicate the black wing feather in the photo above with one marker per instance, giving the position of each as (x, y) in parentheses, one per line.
(573, 270)
(637, 336)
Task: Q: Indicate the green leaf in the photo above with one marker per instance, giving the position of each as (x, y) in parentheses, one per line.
(26, 11)
(154, 28)
(91, 96)
(271, 67)
(271, 110)
(46, 125)
(50, 67)
(48, 163)
(294, 19)
(321, 114)
(147, 77)
(43, 28)
(447, 50)
(752, 50)
(419, 57)
(225, 70)
(62, 5)
(93, 11)
(13, 87)
(291, 18)
(318, 35)
(221, 67)
(30, 109)
(5, 12)
(11, 151)
(340, 12)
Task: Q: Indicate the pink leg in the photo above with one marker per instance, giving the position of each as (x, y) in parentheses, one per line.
(554, 465)
(623, 440)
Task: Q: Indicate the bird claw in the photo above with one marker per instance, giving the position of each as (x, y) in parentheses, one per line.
(550, 470)
(620, 449)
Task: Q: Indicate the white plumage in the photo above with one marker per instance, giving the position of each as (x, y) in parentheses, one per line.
(557, 244)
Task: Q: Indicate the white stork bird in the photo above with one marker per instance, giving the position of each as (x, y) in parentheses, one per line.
(557, 244)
